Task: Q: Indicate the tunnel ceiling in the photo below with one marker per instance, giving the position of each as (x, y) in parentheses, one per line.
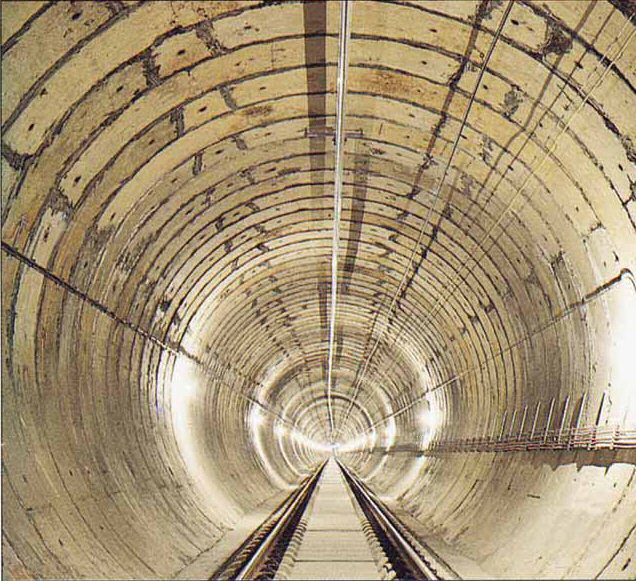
(167, 188)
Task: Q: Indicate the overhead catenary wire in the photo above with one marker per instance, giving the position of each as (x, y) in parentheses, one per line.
(341, 93)
(433, 206)
(460, 275)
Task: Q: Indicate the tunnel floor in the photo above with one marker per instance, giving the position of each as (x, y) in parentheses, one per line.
(243, 237)
(333, 545)
(333, 527)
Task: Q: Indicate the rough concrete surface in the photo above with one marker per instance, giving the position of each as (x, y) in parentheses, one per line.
(167, 213)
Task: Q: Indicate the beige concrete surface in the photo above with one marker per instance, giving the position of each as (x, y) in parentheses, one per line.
(167, 213)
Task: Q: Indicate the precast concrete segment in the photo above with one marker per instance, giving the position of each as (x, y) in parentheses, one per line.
(334, 546)
(167, 193)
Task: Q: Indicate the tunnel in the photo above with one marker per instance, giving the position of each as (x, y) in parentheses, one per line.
(232, 250)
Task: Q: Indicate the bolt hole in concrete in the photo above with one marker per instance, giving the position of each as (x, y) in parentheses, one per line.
(243, 239)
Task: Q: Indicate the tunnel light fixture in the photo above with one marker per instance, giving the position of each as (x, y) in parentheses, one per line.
(429, 416)
(263, 451)
(423, 419)
(355, 444)
(429, 420)
(390, 433)
(256, 417)
(358, 443)
(341, 92)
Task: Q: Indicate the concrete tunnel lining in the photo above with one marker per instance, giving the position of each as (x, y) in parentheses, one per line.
(167, 213)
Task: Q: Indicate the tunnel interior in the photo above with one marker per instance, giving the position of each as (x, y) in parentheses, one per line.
(167, 207)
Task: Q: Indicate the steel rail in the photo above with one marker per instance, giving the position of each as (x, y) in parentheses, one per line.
(260, 556)
(411, 559)
(248, 561)
(341, 93)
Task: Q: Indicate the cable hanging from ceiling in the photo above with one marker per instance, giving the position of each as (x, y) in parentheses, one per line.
(436, 195)
(341, 93)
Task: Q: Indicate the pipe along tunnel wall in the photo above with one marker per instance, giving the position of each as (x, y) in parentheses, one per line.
(167, 175)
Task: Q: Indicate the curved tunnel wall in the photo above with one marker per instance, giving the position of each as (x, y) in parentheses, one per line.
(167, 176)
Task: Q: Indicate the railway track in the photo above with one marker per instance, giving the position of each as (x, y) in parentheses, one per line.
(333, 527)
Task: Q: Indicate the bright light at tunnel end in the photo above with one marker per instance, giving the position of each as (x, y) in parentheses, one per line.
(257, 420)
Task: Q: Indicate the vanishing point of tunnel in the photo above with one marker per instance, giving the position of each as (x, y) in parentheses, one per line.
(319, 289)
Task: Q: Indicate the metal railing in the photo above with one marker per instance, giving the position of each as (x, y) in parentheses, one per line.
(566, 438)
(545, 431)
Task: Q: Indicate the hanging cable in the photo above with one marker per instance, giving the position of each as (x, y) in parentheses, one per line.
(455, 283)
(436, 195)
(341, 93)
